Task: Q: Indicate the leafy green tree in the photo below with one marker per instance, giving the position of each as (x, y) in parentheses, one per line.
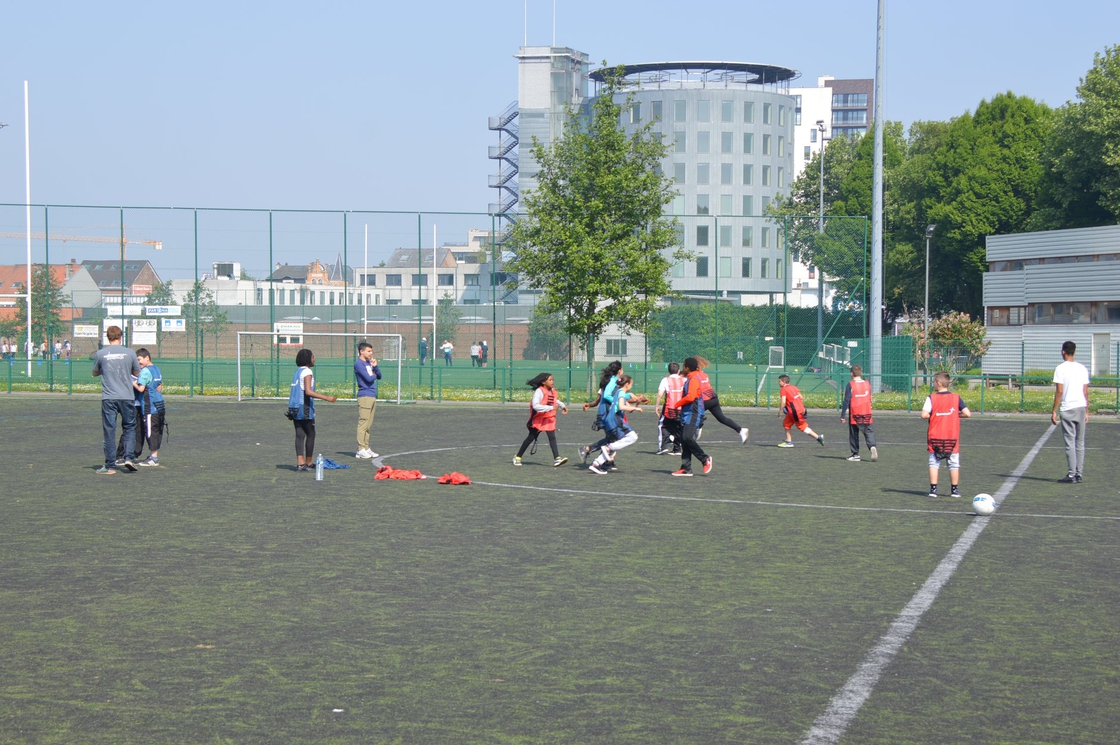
(203, 315)
(595, 238)
(162, 294)
(47, 302)
(951, 337)
(548, 339)
(1081, 187)
(448, 316)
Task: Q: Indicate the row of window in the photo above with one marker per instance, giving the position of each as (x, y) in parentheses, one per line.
(853, 116)
(1044, 314)
(746, 233)
(704, 205)
(746, 267)
(849, 100)
(727, 143)
(703, 113)
(771, 176)
(324, 297)
(418, 280)
(1018, 265)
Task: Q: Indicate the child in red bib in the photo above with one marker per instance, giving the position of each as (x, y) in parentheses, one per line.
(944, 410)
(856, 410)
(794, 409)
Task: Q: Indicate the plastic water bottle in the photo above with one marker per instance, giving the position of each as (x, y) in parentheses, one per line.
(319, 468)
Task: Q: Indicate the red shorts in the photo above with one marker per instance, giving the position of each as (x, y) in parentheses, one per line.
(789, 423)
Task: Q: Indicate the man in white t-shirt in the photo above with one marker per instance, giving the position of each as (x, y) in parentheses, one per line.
(1071, 410)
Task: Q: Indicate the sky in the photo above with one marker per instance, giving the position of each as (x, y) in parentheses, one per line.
(379, 106)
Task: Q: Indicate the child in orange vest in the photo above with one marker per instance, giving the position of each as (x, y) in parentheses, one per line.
(856, 408)
(542, 418)
(944, 410)
(794, 409)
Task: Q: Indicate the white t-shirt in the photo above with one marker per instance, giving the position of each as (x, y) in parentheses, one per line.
(1074, 377)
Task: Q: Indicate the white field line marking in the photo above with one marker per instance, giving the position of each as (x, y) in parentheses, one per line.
(715, 500)
(831, 725)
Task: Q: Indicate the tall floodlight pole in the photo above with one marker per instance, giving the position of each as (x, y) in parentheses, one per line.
(875, 311)
(27, 168)
(925, 308)
(820, 231)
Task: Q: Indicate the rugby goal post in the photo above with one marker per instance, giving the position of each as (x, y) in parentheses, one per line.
(265, 360)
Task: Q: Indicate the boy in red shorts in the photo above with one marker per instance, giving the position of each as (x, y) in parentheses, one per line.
(794, 409)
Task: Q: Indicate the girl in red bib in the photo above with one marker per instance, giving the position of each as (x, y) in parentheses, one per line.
(542, 417)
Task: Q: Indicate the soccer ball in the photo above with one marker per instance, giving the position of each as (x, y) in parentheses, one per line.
(983, 504)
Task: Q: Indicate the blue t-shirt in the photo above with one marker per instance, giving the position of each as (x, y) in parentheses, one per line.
(367, 375)
(150, 377)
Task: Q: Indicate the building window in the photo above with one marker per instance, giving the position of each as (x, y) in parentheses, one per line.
(703, 110)
(765, 204)
(393, 280)
(260, 296)
(702, 204)
(725, 174)
(727, 111)
(813, 134)
(781, 146)
(678, 173)
(1017, 316)
(702, 170)
(702, 236)
(725, 242)
(748, 205)
(765, 144)
(725, 207)
(678, 204)
(636, 113)
(748, 143)
(616, 347)
(781, 177)
(419, 280)
(680, 110)
(291, 297)
(702, 266)
(748, 236)
(322, 298)
(726, 142)
(680, 141)
(392, 301)
(748, 112)
(369, 280)
(677, 270)
(765, 239)
(746, 265)
(779, 269)
(766, 175)
(655, 110)
(725, 266)
(845, 100)
(797, 118)
(766, 115)
(765, 273)
(471, 280)
(781, 115)
(703, 142)
(852, 116)
(445, 280)
(808, 153)
(748, 174)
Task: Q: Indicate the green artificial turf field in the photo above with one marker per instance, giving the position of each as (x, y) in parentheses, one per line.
(225, 598)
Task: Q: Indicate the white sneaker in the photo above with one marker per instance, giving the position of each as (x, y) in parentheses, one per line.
(365, 453)
(874, 454)
(371, 454)
(744, 433)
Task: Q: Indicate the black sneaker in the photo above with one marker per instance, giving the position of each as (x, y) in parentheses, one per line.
(955, 493)
(1077, 478)
(933, 493)
(1069, 478)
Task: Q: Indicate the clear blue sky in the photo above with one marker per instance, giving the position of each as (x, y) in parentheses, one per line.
(384, 105)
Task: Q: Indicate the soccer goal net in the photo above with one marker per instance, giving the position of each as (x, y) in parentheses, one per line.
(266, 362)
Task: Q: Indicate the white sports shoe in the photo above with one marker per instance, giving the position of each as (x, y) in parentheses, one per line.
(364, 453)
(744, 433)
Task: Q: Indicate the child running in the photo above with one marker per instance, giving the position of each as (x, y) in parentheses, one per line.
(608, 384)
(793, 408)
(691, 412)
(944, 410)
(617, 428)
(669, 424)
(542, 418)
(711, 403)
(856, 408)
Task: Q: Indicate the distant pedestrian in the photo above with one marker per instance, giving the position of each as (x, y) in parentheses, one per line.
(856, 410)
(1071, 410)
(476, 351)
(423, 350)
(116, 365)
(447, 349)
(485, 352)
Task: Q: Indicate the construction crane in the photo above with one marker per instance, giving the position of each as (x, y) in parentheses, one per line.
(157, 245)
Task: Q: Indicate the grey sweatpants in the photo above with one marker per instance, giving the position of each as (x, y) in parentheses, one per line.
(1073, 432)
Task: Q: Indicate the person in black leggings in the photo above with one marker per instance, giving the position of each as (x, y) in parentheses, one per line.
(711, 404)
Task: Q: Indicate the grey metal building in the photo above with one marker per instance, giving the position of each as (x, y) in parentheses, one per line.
(1044, 288)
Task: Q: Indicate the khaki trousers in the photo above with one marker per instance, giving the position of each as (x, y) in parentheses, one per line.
(367, 405)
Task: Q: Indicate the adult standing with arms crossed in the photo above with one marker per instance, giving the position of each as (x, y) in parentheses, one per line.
(367, 374)
(1071, 410)
(116, 365)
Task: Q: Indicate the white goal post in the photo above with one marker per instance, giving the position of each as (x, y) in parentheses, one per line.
(274, 352)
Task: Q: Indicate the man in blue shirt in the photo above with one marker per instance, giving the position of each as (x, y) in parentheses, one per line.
(367, 374)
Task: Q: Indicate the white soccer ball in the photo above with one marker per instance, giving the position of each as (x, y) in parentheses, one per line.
(983, 504)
